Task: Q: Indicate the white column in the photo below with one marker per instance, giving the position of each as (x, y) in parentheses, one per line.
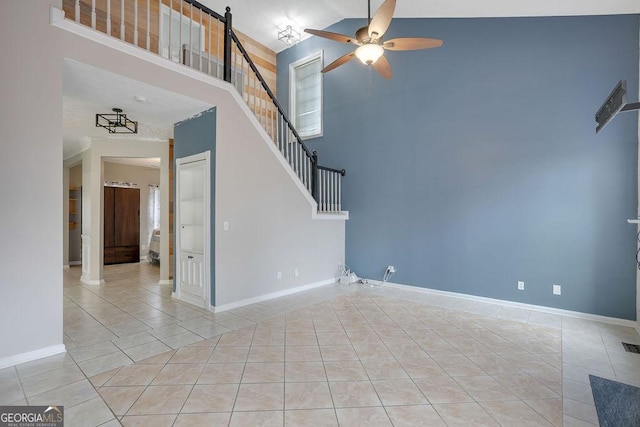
(92, 218)
(164, 217)
(65, 217)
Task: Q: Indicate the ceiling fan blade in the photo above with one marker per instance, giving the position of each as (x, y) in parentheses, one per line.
(340, 61)
(382, 67)
(332, 36)
(411, 43)
(381, 20)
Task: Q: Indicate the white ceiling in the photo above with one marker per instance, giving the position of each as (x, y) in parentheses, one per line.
(262, 19)
(88, 90)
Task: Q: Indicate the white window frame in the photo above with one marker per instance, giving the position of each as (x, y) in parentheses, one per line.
(163, 40)
(292, 92)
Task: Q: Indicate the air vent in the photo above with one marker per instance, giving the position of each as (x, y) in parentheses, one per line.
(631, 348)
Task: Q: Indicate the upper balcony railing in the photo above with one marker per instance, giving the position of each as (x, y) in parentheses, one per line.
(186, 32)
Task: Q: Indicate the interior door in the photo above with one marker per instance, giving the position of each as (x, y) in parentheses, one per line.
(192, 226)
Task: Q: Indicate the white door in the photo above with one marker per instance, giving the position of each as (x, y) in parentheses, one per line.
(192, 283)
(193, 229)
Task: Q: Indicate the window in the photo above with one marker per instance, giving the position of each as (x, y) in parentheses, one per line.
(171, 34)
(305, 91)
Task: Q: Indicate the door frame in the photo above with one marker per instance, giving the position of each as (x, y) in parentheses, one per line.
(206, 157)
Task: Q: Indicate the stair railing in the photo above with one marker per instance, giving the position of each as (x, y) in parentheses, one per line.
(189, 33)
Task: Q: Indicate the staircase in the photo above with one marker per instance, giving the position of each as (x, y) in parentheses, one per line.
(207, 42)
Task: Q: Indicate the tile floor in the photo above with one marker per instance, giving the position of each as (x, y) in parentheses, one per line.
(337, 355)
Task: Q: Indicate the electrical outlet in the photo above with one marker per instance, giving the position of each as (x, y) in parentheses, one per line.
(279, 275)
(296, 272)
(557, 289)
(520, 285)
(225, 225)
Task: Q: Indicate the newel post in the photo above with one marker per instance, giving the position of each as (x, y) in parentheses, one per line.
(227, 45)
(314, 175)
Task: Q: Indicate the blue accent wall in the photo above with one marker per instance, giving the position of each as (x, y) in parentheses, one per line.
(194, 136)
(477, 165)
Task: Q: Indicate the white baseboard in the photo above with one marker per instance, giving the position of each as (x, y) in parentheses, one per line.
(66, 266)
(31, 355)
(92, 282)
(272, 295)
(75, 262)
(505, 303)
(165, 282)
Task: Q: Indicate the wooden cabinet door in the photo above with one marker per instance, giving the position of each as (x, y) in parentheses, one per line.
(127, 217)
(109, 218)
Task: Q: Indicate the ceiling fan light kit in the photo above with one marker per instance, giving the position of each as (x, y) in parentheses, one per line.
(369, 41)
(369, 53)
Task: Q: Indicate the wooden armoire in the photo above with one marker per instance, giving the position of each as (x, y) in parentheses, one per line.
(121, 225)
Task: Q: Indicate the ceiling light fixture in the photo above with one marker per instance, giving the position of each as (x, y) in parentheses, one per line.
(289, 36)
(369, 53)
(116, 123)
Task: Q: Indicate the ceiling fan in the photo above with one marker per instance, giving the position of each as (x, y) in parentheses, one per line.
(370, 44)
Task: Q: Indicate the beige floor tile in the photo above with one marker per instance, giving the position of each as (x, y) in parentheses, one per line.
(67, 396)
(422, 368)
(415, 415)
(182, 373)
(568, 421)
(105, 363)
(314, 395)
(100, 379)
(148, 420)
(345, 370)
(263, 373)
(181, 340)
(81, 354)
(354, 394)
(304, 372)
(260, 397)
(145, 351)
(120, 399)
(259, 418)
(550, 409)
(495, 365)
(10, 391)
(399, 392)
(90, 413)
(192, 355)
(205, 419)
(51, 380)
(338, 352)
(221, 373)
(134, 340)
(580, 410)
(211, 398)
(302, 353)
(160, 358)
(514, 413)
(525, 386)
(442, 390)
(266, 354)
(363, 417)
(459, 366)
(160, 400)
(229, 354)
(301, 338)
(135, 375)
(384, 369)
(484, 387)
(332, 338)
(167, 331)
(310, 418)
(46, 364)
(464, 414)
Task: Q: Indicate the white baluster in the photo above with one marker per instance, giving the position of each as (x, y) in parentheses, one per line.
(218, 50)
(170, 24)
(202, 43)
(148, 44)
(93, 14)
(180, 35)
(191, 64)
(340, 193)
(109, 17)
(135, 22)
(77, 10)
(121, 19)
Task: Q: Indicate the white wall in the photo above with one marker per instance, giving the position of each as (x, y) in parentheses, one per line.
(270, 227)
(143, 177)
(75, 180)
(32, 183)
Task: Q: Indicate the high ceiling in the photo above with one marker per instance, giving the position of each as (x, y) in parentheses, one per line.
(262, 19)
